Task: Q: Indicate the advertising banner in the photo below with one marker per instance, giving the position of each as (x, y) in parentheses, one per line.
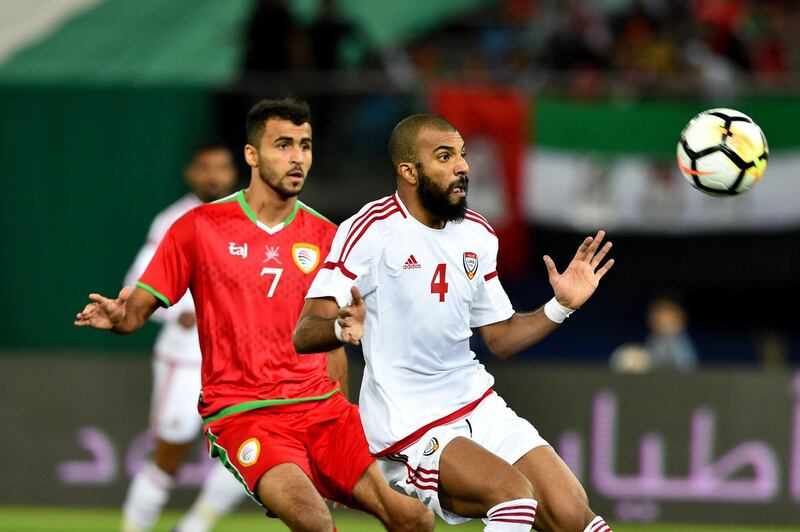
(721, 446)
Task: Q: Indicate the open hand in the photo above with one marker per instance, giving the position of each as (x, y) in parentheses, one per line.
(579, 281)
(351, 318)
(103, 313)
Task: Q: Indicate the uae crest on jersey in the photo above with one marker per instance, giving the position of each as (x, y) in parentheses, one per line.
(470, 264)
(306, 256)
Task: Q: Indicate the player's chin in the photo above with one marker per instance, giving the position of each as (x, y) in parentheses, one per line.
(292, 189)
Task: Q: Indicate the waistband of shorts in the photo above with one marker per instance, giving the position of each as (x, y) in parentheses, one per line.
(265, 403)
(419, 433)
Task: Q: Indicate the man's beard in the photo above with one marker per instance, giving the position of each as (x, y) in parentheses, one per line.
(437, 201)
(278, 187)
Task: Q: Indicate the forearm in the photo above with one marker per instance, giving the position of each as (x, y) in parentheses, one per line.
(129, 324)
(519, 332)
(315, 334)
(138, 309)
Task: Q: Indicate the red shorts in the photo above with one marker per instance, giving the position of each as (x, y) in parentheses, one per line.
(325, 439)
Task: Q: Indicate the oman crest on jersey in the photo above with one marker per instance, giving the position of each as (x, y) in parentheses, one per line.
(470, 264)
(306, 256)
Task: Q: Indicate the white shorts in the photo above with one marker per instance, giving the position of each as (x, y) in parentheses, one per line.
(176, 388)
(492, 425)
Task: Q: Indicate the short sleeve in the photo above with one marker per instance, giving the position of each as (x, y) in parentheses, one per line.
(351, 261)
(168, 275)
(490, 303)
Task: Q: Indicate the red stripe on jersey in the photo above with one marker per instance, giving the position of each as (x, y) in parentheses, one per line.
(489, 276)
(525, 507)
(372, 220)
(333, 265)
(600, 527)
(480, 221)
(476, 214)
(527, 512)
(399, 204)
(517, 521)
(430, 487)
(411, 471)
(359, 221)
(419, 433)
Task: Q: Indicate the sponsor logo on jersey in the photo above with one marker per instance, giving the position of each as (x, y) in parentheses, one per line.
(411, 263)
(249, 452)
(237, 250)
(432, 447)
(306, 256)
(272, 254)
(470, 264)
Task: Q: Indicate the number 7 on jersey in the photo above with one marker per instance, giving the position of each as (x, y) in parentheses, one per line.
(277, 273)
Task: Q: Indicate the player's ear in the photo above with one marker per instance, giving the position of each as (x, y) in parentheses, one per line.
(251, 155)
(407, 172)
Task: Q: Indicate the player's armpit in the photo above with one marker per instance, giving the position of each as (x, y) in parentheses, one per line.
(314, 332)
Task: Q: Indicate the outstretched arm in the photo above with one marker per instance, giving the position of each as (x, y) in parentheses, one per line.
(123, 315)
(316, 330)
(572, 289)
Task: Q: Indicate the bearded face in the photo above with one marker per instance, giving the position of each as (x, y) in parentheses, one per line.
(448, 203)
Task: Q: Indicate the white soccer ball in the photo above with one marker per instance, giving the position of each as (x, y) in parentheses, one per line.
(722, 152)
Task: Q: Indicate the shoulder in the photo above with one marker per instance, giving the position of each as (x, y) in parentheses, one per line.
(477, 222)
(228, 204)
(315, 217)
(375, 216)
(368, 229)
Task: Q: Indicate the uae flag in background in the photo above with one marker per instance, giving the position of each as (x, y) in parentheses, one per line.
(494, 123)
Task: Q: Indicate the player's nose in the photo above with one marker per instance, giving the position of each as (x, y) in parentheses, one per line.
(299, 155)
(461, 167)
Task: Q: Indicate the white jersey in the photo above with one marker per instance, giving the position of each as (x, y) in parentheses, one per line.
(424, 289)
(173, 342)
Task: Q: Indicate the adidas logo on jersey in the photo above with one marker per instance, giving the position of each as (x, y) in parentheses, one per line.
(411, 263)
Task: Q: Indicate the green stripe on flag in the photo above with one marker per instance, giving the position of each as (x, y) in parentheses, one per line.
(650, 127)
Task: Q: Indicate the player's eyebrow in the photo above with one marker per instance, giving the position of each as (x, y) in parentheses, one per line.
(450, 149)
(286, 138)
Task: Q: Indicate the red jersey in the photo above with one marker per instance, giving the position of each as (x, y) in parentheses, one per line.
(248, 282)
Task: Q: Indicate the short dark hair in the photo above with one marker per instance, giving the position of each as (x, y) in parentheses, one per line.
(206, 146)
(403, 140)
(296, 111)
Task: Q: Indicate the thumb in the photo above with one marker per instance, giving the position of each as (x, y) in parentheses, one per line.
(357, 300)
(124, 294)
(551, 266)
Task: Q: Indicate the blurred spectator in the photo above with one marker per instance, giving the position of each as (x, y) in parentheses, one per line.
(630, 358)
(635, 47)
(274, 41)
(328, 33)
(668, 342)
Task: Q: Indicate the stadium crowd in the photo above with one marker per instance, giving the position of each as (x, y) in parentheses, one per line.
(625, 47)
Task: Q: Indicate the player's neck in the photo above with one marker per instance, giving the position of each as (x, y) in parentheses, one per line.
(269, 207)
(420, 213)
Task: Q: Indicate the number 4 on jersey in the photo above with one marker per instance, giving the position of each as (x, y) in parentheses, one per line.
(439, 283)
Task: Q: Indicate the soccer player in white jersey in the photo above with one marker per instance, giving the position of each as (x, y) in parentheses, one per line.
(409, 276)
(174, 418)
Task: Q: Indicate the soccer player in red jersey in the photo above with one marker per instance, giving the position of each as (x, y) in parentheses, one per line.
(276, 419)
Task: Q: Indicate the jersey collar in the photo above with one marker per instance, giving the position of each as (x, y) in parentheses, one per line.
(250, 214)
(410, 218)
